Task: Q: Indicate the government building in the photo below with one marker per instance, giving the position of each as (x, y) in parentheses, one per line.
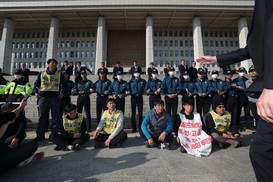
(92, 31)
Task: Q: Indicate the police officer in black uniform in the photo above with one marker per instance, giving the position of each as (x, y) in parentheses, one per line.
(136, 88)
(84, 88)
(153, 88)
(102, 89)
(119, 89)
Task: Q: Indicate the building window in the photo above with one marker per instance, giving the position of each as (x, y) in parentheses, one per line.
(186, 43)
(160, 43)
(83, 43)
(160, 53)
(88, 54)
(176, 43)
(166, 54)
(37, 44)
(155, 53)
(165, 43)
(155, 43)
(67, 54)
(93, 34)
(181, 53)
(93, 54)
(170, 43)
(88, 44)
(181, 43)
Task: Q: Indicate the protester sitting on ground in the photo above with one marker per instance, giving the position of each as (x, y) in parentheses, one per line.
(72, 130)
(156, 126)
(109, 132)
(218, 125)
(16, 131)
(192, 138)
(21, 155)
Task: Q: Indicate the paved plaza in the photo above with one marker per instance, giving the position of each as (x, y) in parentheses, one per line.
(134, 162)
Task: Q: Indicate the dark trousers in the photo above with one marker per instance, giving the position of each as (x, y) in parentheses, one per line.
(171, 105)
(8, 139)
(46, 104)
(10, 158)
(203, 105)
(261, 151)
(62, 141)
(168, 138)
(152, 99)
(231, 102)
(84, 101)
(100, 106)
(121, 137)
(243, 103)
(136, 102)
(120, 104)
(253, 108)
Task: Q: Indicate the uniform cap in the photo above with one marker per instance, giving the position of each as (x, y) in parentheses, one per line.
(83, 72)
(251, 69)
(154, 71)
(215, 72)
(171, 69)
(119, 73)
(201, 71)
(242, 69)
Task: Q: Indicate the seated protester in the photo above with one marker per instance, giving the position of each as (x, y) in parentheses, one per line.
(72, 130)
(192, 138)
(16, 131)
(109, 132)
(156, 127)
(21, 155)
(218, 125)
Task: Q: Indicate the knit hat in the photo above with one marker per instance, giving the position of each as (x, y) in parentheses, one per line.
(217, 101)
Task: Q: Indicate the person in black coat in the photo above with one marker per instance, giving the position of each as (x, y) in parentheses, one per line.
(259, 48)
(26, 71)
(182, 68)
(117, 69)
(135, 68)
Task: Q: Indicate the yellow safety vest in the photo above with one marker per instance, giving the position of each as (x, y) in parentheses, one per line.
(72, 126)
(18, 89)
(222, 123)
(3, 89)
(50, 82)
(111, 121)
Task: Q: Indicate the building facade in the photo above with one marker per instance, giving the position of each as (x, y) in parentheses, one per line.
(120, 30)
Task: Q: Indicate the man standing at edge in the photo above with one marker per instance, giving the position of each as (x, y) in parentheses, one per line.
(259, 49)
(49, 87)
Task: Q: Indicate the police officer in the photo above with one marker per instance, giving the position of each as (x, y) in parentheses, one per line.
(153, 88)
(83, 89)
(187, 89)
(102, 89)
(231, 100)
(202, 92)
(18, 88)
(150, 70)
(119, 90)
(136, 88)
(240, 81)
(217, 86)
(117, 69)
(3, 85)
(49, 87)
(171, 88)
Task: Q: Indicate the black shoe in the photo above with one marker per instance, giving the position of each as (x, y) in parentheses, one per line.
(150, 146)
(223, 145)
(240, 144)
(183, 150)
(134, 131)
(99, 145)
(57, 148)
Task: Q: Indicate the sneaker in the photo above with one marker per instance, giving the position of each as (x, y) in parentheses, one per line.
(99, 145)
(70, 147)
(76, 147)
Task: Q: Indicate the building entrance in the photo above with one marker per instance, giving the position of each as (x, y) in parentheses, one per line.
(125, 46)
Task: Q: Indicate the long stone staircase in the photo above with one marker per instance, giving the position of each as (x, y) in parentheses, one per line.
(32, 112)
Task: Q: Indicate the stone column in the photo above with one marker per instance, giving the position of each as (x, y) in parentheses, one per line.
(53, 39)
(149, 41)
(6, 46)
(100, 46)
(197, 39)
(242, 32)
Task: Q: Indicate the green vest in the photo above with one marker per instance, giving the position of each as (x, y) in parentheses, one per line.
(72, 126)
(222, 123)
(3, 89)
(50, 82)
(9, 89)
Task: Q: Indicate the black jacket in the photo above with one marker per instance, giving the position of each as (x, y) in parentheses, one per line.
(259, 46)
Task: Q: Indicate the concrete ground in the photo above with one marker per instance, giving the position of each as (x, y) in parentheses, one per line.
(134, 162)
